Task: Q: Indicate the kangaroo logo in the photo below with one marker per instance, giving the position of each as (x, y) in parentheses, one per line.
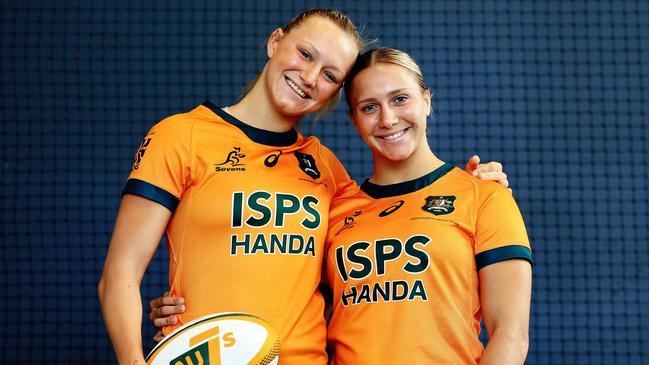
(234, 157)
(140, 153)
(349, 220)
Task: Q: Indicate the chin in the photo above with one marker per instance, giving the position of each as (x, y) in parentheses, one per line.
(394, 156)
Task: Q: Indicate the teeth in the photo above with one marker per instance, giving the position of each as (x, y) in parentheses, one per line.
(297, 89)
(394, 136)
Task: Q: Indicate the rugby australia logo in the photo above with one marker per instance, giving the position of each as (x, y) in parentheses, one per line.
(391, 209)
(439, 205)
(232, 162)
(140, 153)
(349, 220)
(272, 159)
(307, 164)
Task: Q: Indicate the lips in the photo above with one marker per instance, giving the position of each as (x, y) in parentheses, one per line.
(394, 136)
(296, 88)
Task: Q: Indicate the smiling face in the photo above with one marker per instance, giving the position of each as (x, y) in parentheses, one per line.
(389, 109)
(307, 65)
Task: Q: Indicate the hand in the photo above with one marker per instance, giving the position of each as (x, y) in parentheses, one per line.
(162, 311)
(492, 171)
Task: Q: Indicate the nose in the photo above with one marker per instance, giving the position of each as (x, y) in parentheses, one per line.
(388, 117)
(310, 75)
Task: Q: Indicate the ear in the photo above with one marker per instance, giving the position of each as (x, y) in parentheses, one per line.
(428, 100)
(273, 41)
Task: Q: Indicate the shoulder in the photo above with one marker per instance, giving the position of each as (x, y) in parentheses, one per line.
(331, 163)
(183, 122)
(482, 189)
(315, 144)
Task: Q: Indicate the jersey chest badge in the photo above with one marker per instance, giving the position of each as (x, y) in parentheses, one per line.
(307, 164)
(233, 162)
(439, 205)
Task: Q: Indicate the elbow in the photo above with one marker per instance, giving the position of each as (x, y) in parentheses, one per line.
(524, 345)
(517, 343)
(520, 341)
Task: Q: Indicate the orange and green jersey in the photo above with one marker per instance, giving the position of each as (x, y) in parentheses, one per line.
(402, 261)
(250, 210)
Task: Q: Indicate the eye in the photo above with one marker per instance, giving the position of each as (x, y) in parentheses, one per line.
(306, 55)
(330, 77)
(368, 108)
(401, 99)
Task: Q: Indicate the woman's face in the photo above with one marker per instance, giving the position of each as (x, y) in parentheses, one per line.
(307, 65)
(389, 110)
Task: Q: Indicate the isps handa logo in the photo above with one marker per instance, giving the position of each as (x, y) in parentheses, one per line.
(439, 205)
(232, 162)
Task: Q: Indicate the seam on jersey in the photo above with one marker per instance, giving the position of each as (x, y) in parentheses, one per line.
(331, 174)
(503, 253)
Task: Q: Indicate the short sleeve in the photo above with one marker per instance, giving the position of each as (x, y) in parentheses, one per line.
(500, 230)
(161, 167)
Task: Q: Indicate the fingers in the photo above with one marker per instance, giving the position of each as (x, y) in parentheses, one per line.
(473, 163)
(165, 311)
(497, 176)
(165, 301)
(164, 321)
(488, 167)
(158, 336)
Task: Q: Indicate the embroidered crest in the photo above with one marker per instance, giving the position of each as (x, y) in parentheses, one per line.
(439, 205)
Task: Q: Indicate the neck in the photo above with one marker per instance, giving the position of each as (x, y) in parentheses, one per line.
(387, 172)
(256, 109)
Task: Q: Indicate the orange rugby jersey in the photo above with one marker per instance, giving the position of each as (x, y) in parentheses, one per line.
(402, 261)
(250, 210)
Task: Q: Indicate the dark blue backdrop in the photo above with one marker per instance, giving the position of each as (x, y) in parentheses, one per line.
(556, 90)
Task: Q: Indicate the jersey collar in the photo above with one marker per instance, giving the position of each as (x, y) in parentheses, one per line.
(384, 191)
(277, 139)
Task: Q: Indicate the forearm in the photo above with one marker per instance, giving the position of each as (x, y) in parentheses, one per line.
(506, 347)
(122, 308)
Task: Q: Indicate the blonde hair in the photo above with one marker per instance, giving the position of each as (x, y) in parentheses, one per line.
(335, 16)
(342, 21)
(383, 55)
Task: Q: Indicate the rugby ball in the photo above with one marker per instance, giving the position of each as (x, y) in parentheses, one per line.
(219, 339)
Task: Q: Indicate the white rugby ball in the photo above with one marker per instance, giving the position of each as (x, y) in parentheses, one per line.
(219, 339)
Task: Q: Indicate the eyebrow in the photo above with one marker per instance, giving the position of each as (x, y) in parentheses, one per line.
(391, 93)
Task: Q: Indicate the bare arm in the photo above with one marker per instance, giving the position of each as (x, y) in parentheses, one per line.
(505, 294)
(138, 228)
